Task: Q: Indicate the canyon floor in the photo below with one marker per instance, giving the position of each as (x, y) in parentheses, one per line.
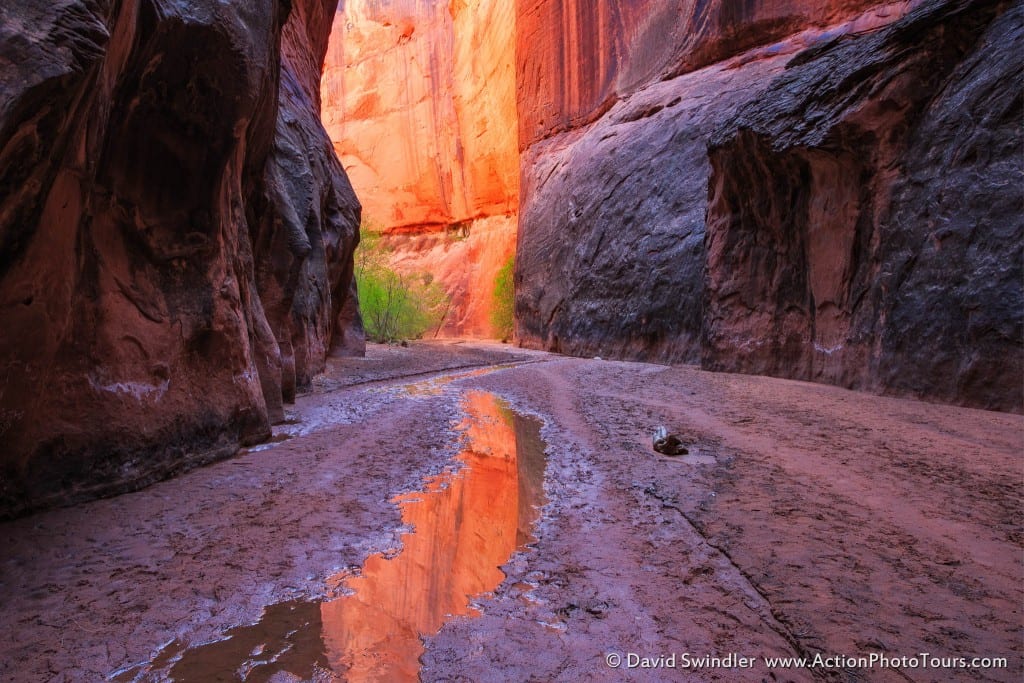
(805, 520)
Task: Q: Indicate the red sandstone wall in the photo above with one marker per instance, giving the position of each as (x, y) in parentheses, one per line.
(419, 98)
(574, 58)
(175, 236)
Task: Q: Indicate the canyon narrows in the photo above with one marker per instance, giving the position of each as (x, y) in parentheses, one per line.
(420, 100)
(788, 233)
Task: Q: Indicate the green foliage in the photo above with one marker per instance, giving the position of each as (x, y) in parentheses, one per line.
(394, 305)
(503, 301)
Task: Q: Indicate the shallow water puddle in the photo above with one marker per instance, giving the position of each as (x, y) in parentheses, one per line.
(331, 413)
(467, 522)
(435, 386)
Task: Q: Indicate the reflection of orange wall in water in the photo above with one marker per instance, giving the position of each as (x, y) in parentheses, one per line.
(463, 532)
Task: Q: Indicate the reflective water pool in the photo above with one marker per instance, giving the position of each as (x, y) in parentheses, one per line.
(466, 522)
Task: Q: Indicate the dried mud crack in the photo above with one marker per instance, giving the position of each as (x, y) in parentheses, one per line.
(668, 502)
(804, 520)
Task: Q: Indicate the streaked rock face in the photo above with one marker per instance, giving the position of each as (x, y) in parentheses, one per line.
(576, 58)
(419, 98)
(174, 235)
(852, 223)
(877, 217)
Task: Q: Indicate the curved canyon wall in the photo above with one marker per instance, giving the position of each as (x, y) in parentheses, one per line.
(820, 191)
(175, 236)
(419, 98)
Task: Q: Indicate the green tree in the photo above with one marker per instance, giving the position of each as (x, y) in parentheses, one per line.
(395, 305)
(503, 301)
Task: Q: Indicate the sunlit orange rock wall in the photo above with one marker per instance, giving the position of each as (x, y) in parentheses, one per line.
(175, 236)
(799, 265)
(419, 98)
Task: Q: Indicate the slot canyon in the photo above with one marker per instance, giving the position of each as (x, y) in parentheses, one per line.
(756, 413)
(420, 101)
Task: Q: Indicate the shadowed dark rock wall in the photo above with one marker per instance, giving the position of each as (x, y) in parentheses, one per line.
(175, 235)
(840, 203)
(865, 223)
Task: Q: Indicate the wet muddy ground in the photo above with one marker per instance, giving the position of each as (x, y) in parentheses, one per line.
(805, 520)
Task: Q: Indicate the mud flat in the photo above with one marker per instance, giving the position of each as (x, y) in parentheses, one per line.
(805, 520)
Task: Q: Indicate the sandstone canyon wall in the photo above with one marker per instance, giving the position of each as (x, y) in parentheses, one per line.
(823, 191)
(419, 98)
(175, 236)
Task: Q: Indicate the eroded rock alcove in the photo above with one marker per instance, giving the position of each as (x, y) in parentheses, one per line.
(805, 190)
